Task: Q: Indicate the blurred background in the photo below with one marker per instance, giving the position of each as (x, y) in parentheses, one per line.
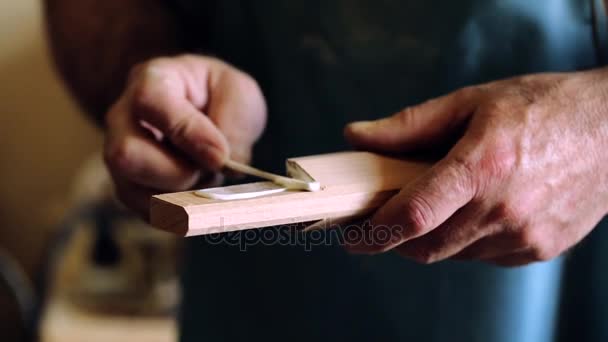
(62, 270)
(43, 137)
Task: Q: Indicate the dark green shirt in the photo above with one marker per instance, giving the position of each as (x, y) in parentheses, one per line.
(322, 64)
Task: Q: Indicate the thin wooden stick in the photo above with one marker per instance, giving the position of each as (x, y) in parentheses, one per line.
(287, 182)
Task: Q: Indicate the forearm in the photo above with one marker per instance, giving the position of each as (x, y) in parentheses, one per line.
(95, 43)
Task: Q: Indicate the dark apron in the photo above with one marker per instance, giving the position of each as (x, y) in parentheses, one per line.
(324, 63)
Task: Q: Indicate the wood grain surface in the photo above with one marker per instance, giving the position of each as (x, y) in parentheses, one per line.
(353, 185)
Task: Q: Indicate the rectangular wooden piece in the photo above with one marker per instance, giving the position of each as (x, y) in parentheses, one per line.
(354, 184)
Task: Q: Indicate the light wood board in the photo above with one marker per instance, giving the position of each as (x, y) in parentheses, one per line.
(354, 184)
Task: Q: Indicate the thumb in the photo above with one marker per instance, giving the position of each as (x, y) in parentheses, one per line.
(428, 202)
(427, 124)
(238, 109)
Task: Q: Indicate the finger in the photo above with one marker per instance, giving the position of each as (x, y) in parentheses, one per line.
(458, 232)
(132, 153)
(133, 196)
(415, 127)
(429, 201)
(161, 98)
(238, 109)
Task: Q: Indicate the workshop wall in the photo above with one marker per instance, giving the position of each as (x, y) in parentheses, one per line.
(43, 138)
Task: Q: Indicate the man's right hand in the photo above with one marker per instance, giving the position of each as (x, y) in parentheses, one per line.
(176, 123)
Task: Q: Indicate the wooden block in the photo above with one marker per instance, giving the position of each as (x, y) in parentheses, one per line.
(353, 184)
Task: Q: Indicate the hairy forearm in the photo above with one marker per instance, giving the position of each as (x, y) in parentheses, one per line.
(95, 43)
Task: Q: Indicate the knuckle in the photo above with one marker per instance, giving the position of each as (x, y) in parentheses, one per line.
(530, 88)
(248, 83)
(464, 167)
(157, 66)
(118, 156)
(500, 161)
(419, 215)
(406, 117)
(498, 106)
(157, 74)
(464, 170)
(148, 98)
(513, 215)
(253, 98)
(243, 82)
(160, 65)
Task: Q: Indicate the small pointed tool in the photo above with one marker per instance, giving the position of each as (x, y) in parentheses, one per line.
(286, 182)
(281, 183)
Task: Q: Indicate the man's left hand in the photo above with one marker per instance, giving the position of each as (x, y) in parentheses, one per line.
(527, 179)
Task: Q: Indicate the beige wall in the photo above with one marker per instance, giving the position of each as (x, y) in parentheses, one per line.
(43, 138)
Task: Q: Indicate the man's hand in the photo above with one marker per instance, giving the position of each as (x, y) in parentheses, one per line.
(527, 180)
(176, 123)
